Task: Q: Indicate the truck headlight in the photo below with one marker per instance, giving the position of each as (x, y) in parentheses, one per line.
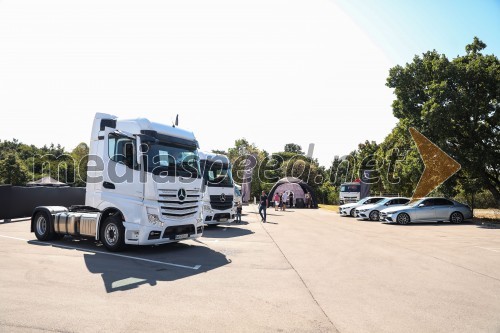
(155, 220)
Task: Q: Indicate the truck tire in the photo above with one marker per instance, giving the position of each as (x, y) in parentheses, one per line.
(43, 227)
(112, 233)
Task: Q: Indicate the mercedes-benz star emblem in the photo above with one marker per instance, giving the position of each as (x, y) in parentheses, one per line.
(222, 197)
(181, 194)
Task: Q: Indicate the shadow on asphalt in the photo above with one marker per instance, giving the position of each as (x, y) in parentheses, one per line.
(125, 273)
(225, 231)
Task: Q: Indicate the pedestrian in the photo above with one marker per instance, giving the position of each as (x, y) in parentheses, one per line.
(281, 201)
(284, 199)
(276, 200)
(290, 197)
(308, 199)
(264, 202)
(239, 209)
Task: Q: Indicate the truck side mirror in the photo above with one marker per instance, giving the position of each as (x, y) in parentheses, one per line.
(138, 152)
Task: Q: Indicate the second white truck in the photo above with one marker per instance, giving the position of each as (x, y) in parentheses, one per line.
(217, 189)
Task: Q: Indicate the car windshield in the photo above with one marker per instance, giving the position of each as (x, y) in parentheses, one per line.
(350, 188)
(172, 160)
(217, 174)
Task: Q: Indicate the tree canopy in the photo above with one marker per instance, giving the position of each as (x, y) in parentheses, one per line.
(455, 104)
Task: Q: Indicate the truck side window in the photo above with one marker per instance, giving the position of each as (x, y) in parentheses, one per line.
(121, 150)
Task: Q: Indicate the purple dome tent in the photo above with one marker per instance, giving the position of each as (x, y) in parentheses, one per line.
(295, 185)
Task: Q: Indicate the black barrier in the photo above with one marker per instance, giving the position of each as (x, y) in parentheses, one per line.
(19, 201)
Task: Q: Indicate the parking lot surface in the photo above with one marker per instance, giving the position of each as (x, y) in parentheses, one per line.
(304, 271)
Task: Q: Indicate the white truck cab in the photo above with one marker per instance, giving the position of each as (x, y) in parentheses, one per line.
(349, 192)
(143, 187)
(217, 189)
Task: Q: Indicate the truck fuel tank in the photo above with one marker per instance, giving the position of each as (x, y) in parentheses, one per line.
(74, 223)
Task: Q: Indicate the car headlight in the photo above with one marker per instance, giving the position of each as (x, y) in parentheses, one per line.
(363, 210)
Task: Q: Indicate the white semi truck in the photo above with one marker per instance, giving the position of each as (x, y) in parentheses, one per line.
(143, 187)
(217, 189)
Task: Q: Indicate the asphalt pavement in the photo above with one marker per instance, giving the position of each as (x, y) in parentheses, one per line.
(304, 271)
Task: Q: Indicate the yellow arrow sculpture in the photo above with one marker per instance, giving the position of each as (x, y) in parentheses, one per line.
(438, 165)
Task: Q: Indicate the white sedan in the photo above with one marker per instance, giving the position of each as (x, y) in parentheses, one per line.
(372, 212)
(350, 208)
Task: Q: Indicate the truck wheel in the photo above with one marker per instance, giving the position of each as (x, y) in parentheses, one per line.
(113, 233)
(43, 229)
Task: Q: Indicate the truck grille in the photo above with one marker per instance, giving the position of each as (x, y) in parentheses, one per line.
(217, 203)
(171, 232)
(173, 208)
(351, 199)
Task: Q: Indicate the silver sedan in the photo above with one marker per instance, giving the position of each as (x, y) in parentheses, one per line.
(428, 210)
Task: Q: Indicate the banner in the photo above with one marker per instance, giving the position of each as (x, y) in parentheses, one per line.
(250, 163)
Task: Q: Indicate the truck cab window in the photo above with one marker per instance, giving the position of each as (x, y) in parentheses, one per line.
(121, 150)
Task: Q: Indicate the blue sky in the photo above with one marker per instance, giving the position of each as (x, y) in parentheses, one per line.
(271, 71)
(405, 28)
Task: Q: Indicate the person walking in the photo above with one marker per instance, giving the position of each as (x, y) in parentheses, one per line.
(290, 197)
(239, 209)
(284, 199)
(308, 200)
(264, 202)
(276, 200)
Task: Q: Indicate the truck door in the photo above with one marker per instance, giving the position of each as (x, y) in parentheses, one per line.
(121, 176)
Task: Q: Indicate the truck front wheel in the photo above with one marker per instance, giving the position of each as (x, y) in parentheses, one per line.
(43, 229)
(113, 234)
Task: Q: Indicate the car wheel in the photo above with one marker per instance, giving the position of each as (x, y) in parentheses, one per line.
(456, 217)
(113, 233)
(374, 215)
(403, 218)
(351, 213)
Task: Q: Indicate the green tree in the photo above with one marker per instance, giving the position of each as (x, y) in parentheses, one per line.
(80, 156)
(293, 148)
(455, 104)
(12, 170)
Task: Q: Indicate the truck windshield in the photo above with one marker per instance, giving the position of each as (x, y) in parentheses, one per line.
(172, 160)
(350, 188)
(217, 174)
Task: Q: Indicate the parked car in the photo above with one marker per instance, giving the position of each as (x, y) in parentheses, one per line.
(428, 210)
(372, 212)
(350, 208)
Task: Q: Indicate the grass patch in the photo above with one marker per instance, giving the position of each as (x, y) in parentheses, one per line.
(333, 208)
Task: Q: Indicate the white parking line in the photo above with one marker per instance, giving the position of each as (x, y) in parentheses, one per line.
(489, 249)
(196, 267)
